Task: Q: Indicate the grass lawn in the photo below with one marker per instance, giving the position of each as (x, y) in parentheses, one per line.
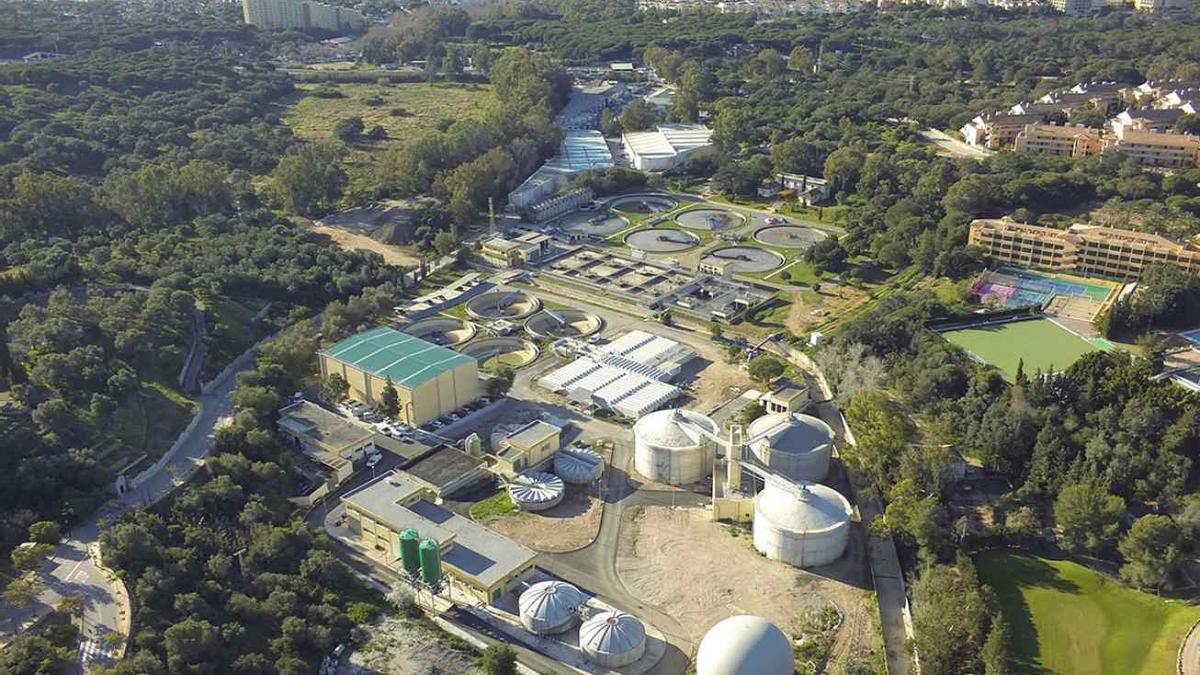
(424, 105)
(1040, 342)
(497, 505)
(1069, 619)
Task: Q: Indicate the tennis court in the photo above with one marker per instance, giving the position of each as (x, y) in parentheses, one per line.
(1012, 288)
(1043, 344)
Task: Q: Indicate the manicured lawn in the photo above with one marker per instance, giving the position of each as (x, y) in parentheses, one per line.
(1040, 342)
(1069, 619)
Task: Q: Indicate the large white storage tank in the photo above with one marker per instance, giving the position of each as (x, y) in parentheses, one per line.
(612, 639)
(550, 607)
(670, 446)
(806, 524)
(797, 446)
(745, 645)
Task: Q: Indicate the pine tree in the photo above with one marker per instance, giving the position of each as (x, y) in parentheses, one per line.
(389, 400)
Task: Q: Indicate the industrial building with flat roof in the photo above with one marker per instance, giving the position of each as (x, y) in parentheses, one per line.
(431, 380)
(1081, 249)
(485, 564)
(581, 150)
(528, 447)
(666, 147)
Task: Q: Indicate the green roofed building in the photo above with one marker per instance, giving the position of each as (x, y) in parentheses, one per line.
(431, 380)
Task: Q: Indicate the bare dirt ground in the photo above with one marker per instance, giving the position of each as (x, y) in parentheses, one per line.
(399, 646)
(571, 525)
(809, 312)
(393, 255)
(701, 572)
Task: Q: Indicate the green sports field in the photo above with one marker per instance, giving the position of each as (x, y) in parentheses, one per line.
(1040, 342)
(1071, 620)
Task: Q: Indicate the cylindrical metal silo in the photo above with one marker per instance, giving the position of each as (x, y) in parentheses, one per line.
(431, 562)
(805, 524)
(796, 446)
(549, 607)
(674, 446)
(612, 639)
(410, 557)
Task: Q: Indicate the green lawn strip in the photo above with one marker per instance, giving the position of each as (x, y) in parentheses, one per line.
(495, 506)
(1072, 620)
(1041, 343)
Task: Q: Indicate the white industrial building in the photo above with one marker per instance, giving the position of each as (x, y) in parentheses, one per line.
(580, 151)
(666, 147)
(628, 376)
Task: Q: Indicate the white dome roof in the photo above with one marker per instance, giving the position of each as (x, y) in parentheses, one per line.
(745, 645)
(549, 606)
(673, 428)
(578, 466)
(793, 433)
(613, 638)
(803, 507)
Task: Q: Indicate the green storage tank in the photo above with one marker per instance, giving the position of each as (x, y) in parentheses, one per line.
(410, 557)
(431, 562)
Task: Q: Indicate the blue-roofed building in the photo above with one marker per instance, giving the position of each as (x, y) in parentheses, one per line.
(430, 380)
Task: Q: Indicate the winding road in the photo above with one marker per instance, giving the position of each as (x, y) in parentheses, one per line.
(74, 568)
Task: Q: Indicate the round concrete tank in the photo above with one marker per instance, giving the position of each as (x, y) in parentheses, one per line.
(612, 639)
(442, 330)
(563, 323)
(503, 304)
(536, 491)
(745, 645)
(805, 524)
(670, 446)
(797, 446)
(578, 466)
(549, 607)
(494, 352)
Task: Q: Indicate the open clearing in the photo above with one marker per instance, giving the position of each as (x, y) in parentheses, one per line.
(1041, 343)
(701, 572)
(571, 525)
(401, 109)
(392, 255)
(403, 646)
(1069, 619)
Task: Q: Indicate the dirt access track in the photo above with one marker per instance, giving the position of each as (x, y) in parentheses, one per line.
(392, 255)
(700, 572)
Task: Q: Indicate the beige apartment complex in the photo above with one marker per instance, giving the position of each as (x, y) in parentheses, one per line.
(1081, 249)
(1148, 148)
(303, 14)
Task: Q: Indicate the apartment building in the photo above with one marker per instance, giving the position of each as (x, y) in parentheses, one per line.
(1076, 7)
(1068, 141)
(302, 14)
(997, 130)
(1081, 249)
(1170, 151)
(1148, 119)
(1160, 6)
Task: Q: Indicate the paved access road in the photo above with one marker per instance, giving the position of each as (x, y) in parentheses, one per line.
(74, 571)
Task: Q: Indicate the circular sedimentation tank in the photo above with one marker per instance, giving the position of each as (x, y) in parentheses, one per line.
(745, 259)
(797, 446)
(503, 305)
(745, 645)
(563, 323)
(644, 204)
(661, 240)
(612, 639)
(674, 446)
(710, 219)
(501, 351)
(550, 607)
(578, 466)
(536, 491)
(804, 524)
(443, 331)
(600, 223)
(789, 236)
